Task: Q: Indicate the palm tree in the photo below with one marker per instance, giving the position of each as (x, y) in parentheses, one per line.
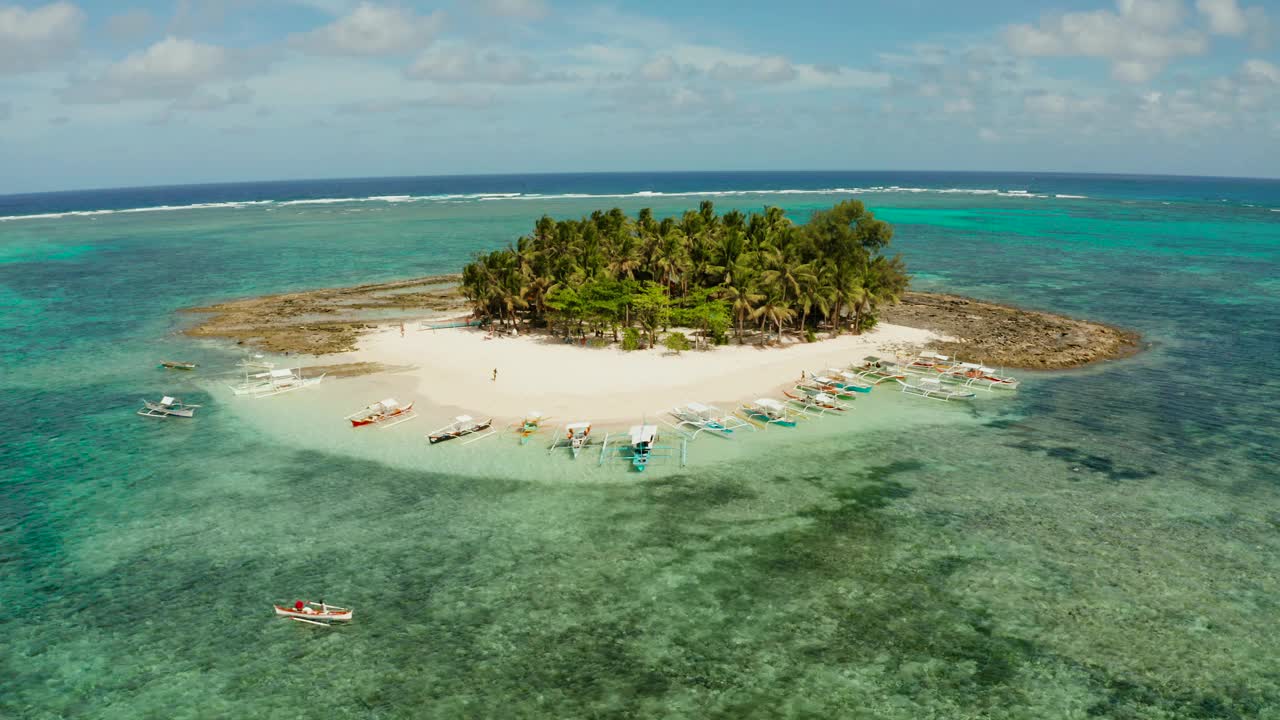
(775, 310)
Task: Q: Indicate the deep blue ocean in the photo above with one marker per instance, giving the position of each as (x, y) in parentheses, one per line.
(1104, 543)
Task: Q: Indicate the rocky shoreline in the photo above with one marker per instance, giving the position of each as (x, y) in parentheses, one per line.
(330, 320)
(1011, 337)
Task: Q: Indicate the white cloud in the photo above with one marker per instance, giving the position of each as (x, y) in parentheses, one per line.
(372, 29)
(522, 9)
(1138, 40)
(659, 69)
(173, 68)
(1225, 16)
(38, 38)
(772, 69)
(730, 66)
(958, 106)
(461, 64)
(1261, 71)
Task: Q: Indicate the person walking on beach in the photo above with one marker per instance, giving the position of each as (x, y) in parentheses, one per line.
(495, 375)
(401, 329)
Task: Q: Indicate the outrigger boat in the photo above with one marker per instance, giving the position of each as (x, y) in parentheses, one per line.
(641, 448)
(818, 402)
(771, 412)
(257, 360)
(823, 385)
(707, 418)
(167, 407)
(933, 389)
(176, 365)
(384, 414)
(274, 382)
(529, 426)
(976, 375)
(844, 380)
(575, 436)
(461, 426)
(927, 362)
(315, 613)
(875, 370)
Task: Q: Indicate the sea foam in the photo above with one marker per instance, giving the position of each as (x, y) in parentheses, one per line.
(496, 196)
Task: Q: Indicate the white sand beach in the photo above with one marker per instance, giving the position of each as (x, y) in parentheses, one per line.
(454, 368)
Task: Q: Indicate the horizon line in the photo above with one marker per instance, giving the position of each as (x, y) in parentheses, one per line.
(629, 172)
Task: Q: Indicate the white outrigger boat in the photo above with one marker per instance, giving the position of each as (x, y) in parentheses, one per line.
(707, 418)
(462, 426)
(844, 380)
(928, 362)
(641, 446)
(167, 407)
(386, 413)
(977, 375)
(771, 412)
(315, 613)
(824, 384)
(574, 435)
(274, 382)
(816, 403)
(877, 370)
(933, 389)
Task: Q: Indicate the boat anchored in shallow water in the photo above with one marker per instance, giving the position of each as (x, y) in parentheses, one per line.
(177, 365)
(575, 436)
(933, 389)
(771, 412)
(876, 370)
(461, 426)
(977, 375)
(167, 407)
(816, 403)
(532, 423)
(707, 418)
(386, 413)
(315, 613)
(640, 447)
(274, 382)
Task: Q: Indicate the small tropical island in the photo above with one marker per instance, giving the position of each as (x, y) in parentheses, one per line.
(716, 307)
(694, 282)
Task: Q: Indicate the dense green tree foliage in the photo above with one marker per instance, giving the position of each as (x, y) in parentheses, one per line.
(610, 272)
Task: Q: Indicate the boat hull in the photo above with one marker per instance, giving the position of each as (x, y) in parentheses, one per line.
(317, 616)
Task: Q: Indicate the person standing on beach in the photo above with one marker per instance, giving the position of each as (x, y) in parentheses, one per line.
(401, 329)
(495, 375)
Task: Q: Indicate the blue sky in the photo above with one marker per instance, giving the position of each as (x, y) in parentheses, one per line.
(96, 94)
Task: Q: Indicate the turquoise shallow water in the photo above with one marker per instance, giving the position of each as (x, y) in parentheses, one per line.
(1103, 544)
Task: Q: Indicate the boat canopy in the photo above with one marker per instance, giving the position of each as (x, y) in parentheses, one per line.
(643, 433)
(697, 407)
(824, 380)
(389, 404)
(578, 426)
(281, 373)
(933, 356)
(823, 397)
(769, 403)
(970, 366)
(533, 415)
(871, 359)
(464, 418)
(166, 400)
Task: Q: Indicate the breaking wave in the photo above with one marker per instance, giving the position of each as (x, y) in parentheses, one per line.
(496, 196)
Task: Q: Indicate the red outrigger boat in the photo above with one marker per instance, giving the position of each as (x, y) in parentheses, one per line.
(388, 411)
(317, 613)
